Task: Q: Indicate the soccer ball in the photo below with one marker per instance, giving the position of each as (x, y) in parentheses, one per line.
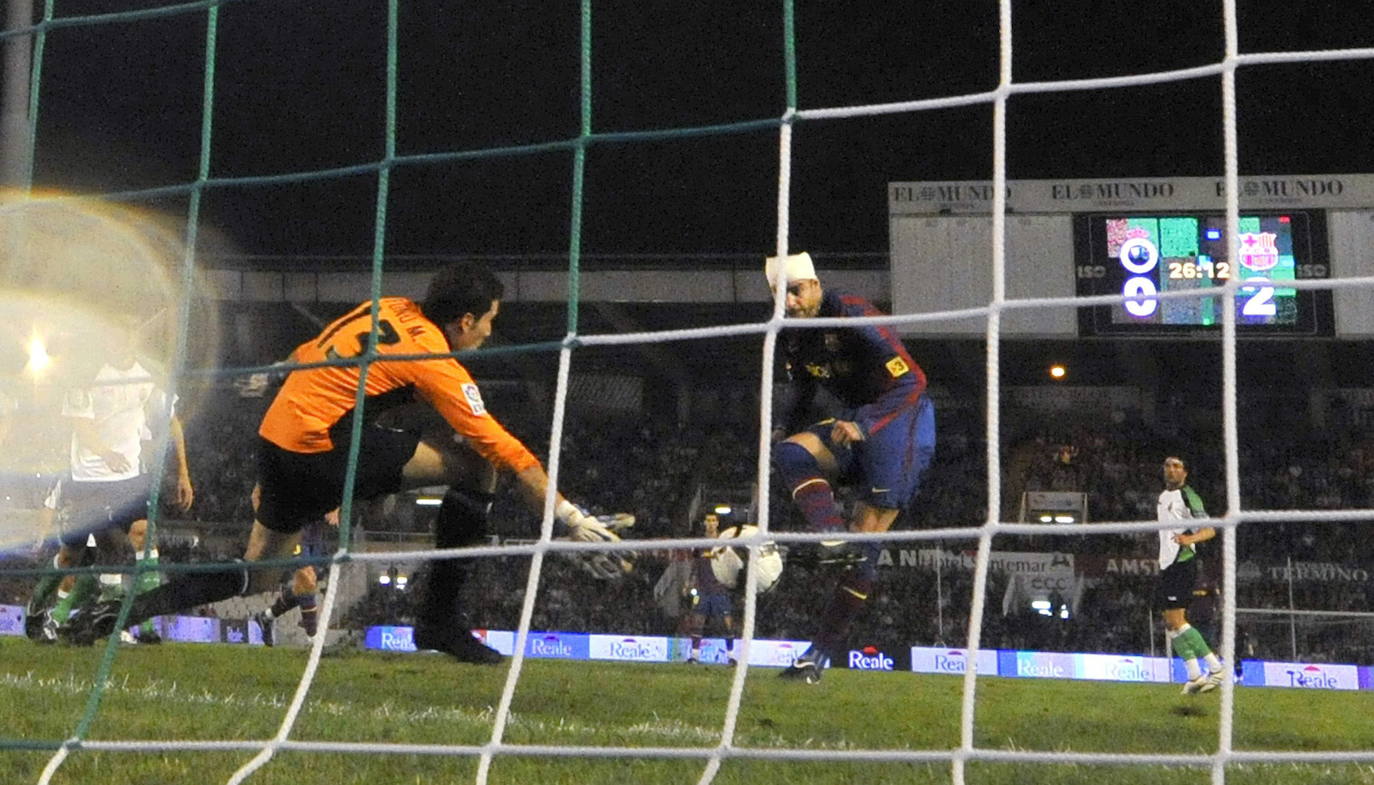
(728, 561)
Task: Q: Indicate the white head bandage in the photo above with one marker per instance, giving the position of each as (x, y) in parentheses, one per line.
(796, 267)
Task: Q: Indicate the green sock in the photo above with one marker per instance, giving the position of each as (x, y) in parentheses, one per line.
(62, 608)
(152, 578)
(147, 581)
(85, 587)
(44, 590)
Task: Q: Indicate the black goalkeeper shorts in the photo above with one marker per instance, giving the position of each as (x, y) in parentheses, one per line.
(299, 488)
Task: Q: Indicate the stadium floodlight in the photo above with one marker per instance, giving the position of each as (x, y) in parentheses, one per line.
(39, 360)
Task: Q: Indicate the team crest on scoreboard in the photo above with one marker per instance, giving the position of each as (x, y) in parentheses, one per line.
(1259, 251)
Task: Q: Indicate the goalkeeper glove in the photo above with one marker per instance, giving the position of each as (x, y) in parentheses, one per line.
(603, 565)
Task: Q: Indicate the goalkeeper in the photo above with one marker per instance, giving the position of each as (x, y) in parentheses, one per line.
(304, 445)
(881, 443)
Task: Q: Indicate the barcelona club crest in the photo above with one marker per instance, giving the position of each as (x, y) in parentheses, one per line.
(1258, 250)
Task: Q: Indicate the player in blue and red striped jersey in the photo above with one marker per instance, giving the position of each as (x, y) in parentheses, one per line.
(709, 597)
(880, 443)
(301, 589)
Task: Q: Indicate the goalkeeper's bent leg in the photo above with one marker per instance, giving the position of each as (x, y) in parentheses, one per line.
(810, 490)
(188, 590)
(182, 592)
(462, 521)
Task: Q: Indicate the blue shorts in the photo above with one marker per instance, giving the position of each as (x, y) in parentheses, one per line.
(91, 507)
(312, 539)
(887, 466)
(312, 544)
(713, 604)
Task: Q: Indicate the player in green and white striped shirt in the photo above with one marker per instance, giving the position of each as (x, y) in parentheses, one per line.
(1178, 570)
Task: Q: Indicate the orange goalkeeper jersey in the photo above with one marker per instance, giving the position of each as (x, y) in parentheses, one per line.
(313, 400)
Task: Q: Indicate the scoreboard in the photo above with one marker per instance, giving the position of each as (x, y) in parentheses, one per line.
(1134, 239)
(1136, 255)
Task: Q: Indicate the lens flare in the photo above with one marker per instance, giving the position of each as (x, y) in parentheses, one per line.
(84, 281)
(39, 359)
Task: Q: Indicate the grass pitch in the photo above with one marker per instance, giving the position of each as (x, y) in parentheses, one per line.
(200, 692)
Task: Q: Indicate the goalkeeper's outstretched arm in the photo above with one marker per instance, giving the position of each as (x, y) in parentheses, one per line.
(576, 525)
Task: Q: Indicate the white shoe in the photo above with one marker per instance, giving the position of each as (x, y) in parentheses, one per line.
(807, 668)
(1194, 686)
(1212, 680)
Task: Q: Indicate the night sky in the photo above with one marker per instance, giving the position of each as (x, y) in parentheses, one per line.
(300, 87)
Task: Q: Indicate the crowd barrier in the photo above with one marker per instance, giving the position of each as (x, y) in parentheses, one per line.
(1002, 663)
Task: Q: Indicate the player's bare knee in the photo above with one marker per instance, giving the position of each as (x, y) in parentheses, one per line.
(138, 534)
(304, 581)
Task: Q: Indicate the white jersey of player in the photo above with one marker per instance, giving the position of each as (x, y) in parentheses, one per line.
(1179, 504)
(120, 412)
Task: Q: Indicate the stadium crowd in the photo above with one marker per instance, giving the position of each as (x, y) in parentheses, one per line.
(652, 466)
